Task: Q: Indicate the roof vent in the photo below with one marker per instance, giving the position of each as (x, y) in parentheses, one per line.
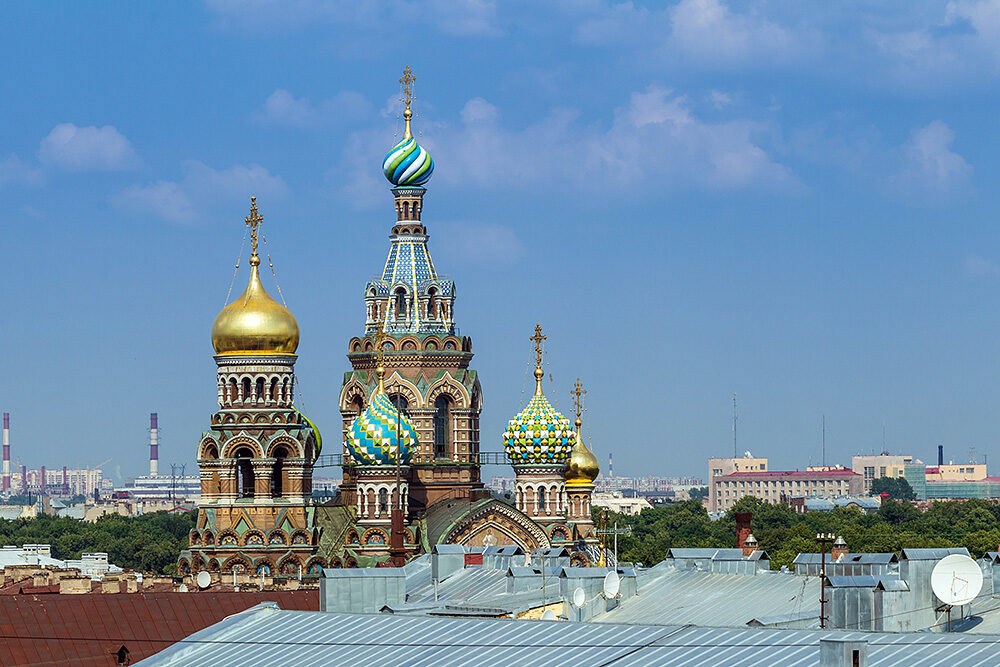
(843, 653)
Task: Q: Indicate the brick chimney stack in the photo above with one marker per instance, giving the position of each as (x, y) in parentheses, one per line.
(749, 546)
(743, 520)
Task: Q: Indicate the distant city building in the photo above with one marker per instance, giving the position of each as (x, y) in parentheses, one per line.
(717, 467)
(780, 486)
(876, 466)
(164, 487)
(623, 504)
(59, 481)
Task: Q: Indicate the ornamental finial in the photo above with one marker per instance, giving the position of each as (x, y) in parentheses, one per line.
(380, 338)
(578, 392)
(253, 221)
(538, 338)
(407, 82)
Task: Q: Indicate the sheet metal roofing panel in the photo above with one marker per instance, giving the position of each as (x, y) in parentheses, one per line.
(932, 554)
(268, 636)
(681, 597)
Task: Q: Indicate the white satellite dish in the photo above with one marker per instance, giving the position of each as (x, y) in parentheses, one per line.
(612, 584)
(956, 580)
(579, 598)
(548, 615)
(183, 588)
(204, 579)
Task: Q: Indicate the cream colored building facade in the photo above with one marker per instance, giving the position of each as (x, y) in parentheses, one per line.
(875, 466)
(616, 502)
(780, 486)
(717, 467)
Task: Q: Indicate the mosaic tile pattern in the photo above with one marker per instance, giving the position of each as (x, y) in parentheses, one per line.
(373, 437)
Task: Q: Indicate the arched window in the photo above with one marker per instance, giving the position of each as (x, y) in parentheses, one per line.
(400, 402)
(277, 483)
(400, 303)
(244, 473)
(442, 415)
(383, 501)
(432, 303)
(541, 499)
(259, 393)
(274, 390)
(246, 389)
(234, 391)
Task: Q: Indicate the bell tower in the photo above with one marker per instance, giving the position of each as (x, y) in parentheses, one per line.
(426, 360)
(255, 513)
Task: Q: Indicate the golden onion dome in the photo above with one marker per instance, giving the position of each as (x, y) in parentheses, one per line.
(582, 468)
(254, 323)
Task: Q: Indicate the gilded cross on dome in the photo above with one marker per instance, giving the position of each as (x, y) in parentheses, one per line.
(407, 81)
(538, 338)
(380, 339)
(253, 221)
(578, 392)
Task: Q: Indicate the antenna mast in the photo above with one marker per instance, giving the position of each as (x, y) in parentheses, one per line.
(736, 454)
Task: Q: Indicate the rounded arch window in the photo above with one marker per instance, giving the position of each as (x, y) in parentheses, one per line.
(400, 303)
(244, 473)
(383, 501)
(278, 470)
(442, 425)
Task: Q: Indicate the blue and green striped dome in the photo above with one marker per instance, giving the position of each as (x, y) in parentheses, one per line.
(408, 164)
(372, 440)
(538, 434)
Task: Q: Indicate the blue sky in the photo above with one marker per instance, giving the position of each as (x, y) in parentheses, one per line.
(793, 202)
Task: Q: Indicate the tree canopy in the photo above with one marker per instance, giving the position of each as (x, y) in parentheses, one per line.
(147, 543)
(784, 533)
(896, 487)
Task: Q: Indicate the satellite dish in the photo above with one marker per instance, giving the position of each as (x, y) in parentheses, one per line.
(956, 580)
(548, 615)
(183, 588)
(612, 584)
(579, 598)
(204, 579)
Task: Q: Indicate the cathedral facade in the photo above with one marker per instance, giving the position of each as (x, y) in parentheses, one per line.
(409, 404)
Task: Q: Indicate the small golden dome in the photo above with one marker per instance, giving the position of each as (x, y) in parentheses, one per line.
(582, 468)
(254, 323)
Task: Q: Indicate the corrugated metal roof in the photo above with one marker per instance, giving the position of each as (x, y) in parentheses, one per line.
(931, 554)
(671, 596)
(268, 636)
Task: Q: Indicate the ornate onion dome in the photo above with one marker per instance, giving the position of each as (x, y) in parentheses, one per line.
(381, 432)
(538, 434)
(582, 468)
(408, 164)
(254, 323)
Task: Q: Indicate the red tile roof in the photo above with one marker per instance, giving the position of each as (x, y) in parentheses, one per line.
(88, 629)
(794, 474)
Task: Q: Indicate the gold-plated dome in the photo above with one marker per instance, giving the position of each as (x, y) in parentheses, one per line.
(254, 323)
(582, 468)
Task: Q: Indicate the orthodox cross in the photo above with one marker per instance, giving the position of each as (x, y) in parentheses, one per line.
(253, 222)
(578, 392)
(407, 81)
(380, 338)
(538, 338)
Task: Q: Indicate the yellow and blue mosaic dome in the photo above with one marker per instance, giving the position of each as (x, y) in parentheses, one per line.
(372, 440)
(538, 434)
(408, 163)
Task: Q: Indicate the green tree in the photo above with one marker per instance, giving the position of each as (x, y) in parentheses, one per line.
(897, 488)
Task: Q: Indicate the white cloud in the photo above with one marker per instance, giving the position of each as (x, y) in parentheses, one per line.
(281, 108)
(202, 193)
(929, 164)
(655, 141)
(89, 148)
(13, 171)
(976, 266)
(701, 32)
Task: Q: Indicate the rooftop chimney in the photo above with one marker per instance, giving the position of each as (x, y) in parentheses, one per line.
(749, 545)
(743, 520)
(6, 452)
(154, 444)
(839, 549)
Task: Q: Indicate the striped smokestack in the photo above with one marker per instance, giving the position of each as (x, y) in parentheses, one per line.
(154, 445)
(6, 452)
(24, 480)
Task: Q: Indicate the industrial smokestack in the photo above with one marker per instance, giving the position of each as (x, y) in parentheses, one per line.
(24, 480)
(154, 444)
(65, 481)
(940, 455)
(41, 484)
(6, 452)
